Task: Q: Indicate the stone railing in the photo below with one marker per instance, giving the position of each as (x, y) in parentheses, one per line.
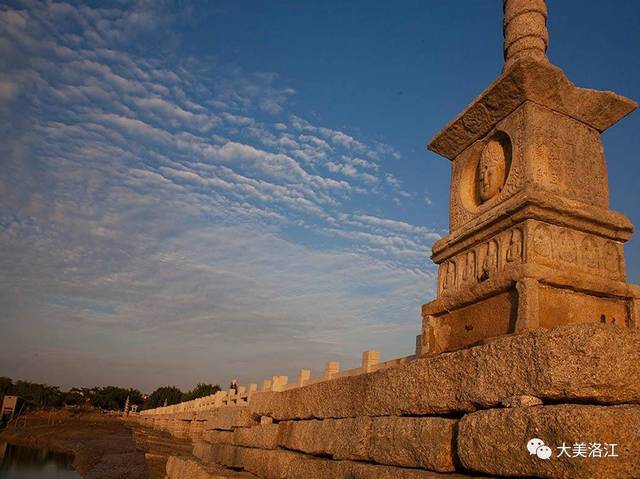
(470, 413)
(241, 396)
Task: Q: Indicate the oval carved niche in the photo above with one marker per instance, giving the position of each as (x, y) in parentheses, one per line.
(486, 171)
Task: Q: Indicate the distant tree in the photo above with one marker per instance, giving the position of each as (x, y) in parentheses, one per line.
(37, 395)
(73, 397)
(201, 390)
(113, 398)
(44, 396)
(6, 384)
(171, 394)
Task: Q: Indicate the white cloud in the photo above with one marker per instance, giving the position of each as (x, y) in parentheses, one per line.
(152, 209)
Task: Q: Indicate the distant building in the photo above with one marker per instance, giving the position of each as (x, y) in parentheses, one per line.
(10, 408)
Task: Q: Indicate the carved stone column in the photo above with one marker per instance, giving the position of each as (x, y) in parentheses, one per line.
(525, 30)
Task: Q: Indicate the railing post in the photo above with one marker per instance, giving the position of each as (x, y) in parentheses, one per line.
(279, 382)
(331, 369)
(369, 359)
(303, 377)
(252, 388)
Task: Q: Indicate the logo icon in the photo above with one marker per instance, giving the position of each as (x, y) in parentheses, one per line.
(539, 448)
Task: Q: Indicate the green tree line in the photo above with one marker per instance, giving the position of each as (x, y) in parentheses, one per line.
(102, 397)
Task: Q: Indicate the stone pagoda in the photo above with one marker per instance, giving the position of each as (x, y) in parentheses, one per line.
(532, 241)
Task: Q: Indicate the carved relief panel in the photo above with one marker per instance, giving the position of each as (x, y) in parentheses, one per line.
(482, 262)
(565, 156)
(488, 172)
(557, 154)
(533, 242)
(563, 248)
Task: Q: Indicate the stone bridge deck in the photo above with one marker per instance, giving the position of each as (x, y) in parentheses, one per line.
(468, 413)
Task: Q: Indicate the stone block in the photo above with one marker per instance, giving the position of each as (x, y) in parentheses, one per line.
(213, 436)
(576, 363)
(184, 468)
(180, 428)
(357, 470)
(495, 441)
(278, 464)
(263, 436)
(426, 443)
(338, 398)
(544, 84)
(339, 438)
(223, 454)
(227, 418)
(196, 428)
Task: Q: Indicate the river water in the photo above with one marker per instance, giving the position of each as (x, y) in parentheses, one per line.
(18, 462)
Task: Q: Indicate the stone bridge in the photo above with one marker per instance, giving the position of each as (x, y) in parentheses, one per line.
(528, 364)
(468, 413)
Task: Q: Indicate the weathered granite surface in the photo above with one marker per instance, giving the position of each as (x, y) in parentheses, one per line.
(590, 363)
(264, 436)
(494, 441)
(185, 468)
(277, 464)
(228, 417)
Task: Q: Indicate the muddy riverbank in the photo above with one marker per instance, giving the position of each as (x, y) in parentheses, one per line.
(103, 446)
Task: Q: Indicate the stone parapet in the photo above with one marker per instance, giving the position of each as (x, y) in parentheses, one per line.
(587, 363)
(459, 414)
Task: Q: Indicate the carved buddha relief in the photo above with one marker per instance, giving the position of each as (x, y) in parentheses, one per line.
(484, 172)
(590, 252)
(612, 258)
(514, 252)
(490, 263)
(449, 276)
(491, 170)
(542, 241)
(452, 275)
(469, 273)
(567, 249)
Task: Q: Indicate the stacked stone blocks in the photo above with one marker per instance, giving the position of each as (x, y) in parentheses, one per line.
(460, 414)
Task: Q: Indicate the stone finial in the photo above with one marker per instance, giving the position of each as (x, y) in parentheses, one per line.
(525, 30)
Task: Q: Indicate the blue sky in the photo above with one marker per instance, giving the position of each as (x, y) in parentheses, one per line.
(195, 191)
